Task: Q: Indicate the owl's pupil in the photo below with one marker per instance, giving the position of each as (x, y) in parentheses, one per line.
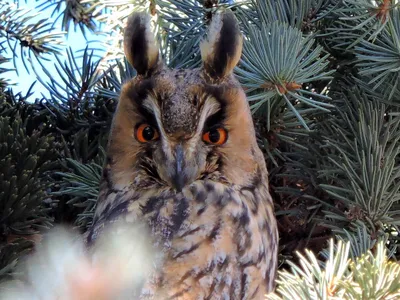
(214, 136)
(148, 133)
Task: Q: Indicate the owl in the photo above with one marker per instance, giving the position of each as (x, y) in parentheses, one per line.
(183, 159)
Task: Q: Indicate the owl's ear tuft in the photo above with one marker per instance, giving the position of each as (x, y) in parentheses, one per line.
(222, 48)
(140, 46)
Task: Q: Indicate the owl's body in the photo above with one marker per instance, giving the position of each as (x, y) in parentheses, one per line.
(183, 159)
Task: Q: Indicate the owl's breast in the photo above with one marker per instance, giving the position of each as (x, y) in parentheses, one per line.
(216, 244)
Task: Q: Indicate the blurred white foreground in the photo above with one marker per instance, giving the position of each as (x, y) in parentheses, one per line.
(62, 268)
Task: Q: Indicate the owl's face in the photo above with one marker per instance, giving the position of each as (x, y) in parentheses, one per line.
(173, 127)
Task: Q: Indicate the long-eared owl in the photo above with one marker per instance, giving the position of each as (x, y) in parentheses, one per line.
(183, 159)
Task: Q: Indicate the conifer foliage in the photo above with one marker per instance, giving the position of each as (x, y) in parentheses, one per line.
(323, 81)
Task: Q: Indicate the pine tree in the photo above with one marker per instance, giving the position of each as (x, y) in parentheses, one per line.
(322, 78)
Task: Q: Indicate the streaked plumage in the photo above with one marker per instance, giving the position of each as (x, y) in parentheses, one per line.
(183, 158)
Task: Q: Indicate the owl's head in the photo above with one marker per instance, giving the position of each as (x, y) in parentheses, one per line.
(172, 126)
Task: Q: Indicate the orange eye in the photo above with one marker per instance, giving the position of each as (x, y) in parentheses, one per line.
(216, 136)
(145, 133)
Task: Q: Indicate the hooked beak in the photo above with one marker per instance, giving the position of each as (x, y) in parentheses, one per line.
(179, 178)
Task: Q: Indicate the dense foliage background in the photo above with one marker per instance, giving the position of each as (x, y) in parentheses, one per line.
(322, 77)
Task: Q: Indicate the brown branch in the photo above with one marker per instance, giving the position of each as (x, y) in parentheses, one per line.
(282, 88)
(383, 9)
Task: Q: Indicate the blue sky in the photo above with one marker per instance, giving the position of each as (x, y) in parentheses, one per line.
(74, 39)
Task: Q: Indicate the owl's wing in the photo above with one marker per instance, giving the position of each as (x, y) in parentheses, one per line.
(111, 204)
(104, 218)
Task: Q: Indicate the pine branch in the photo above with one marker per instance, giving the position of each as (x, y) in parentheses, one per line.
(357, 21)
(81, 185)
(364, 276)
(33, 38)
(26, 158)
(3, 81)
(298, 14)
(367, 32)
(360, 166)
(80, 13)
(80, 117)
(110, 83)
(75, 83)
(24, 161)
(371, 276)
(10, 255)
(379, 60)
(277, 62)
